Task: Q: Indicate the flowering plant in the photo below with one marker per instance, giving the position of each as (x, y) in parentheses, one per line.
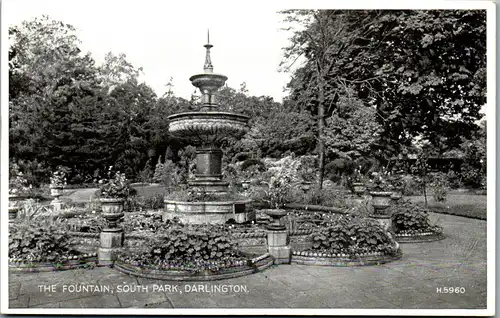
(58, 178)
(379, 180)
(117, 187)
(17, 182)
(357, 176)
(283, 179)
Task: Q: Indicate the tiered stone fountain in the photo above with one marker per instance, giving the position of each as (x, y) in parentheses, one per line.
(206, 129)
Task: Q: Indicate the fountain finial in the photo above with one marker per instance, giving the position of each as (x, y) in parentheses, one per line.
(208, 68)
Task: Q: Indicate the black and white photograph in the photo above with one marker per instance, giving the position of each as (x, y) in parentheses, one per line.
(248, 158)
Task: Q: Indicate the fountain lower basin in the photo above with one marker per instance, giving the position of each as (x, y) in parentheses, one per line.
(213, 212)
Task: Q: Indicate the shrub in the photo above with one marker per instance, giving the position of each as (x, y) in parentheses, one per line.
(353, 236)
(325, 197)
(408, 217)
(141, 203)
(439, 186)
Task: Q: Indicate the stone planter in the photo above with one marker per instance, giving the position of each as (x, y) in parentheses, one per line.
(381, 200)
(276, 215)
(358, 188)
(13, 212)
(112, 205)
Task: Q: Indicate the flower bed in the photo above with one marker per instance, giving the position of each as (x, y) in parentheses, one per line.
(411, 223)
(350, 241)
(33, 248)
(189, 252)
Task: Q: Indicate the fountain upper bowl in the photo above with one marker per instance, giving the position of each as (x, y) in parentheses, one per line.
(206, 127)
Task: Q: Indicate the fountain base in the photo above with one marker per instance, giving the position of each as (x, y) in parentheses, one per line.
(212, 212)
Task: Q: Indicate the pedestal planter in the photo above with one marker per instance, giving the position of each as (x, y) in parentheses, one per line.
(276, 215)
(13, 212)
(56, 191)
(381, 200)
(14, 202)
(358, 188)
(112, 236)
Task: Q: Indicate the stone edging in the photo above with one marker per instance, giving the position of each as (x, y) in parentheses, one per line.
(72, 262)
(254, 265)
(322, 259)
(419, 238)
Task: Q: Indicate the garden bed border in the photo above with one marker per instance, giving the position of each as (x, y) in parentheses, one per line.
(308, 258)
(257, 264)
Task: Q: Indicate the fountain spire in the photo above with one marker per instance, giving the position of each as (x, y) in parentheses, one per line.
(208, 67)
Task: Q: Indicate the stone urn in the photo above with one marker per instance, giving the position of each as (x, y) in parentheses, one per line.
(276, 215)
(381, 200)
(358, 188)
(112, 210)
(245, 184)
(56, 191)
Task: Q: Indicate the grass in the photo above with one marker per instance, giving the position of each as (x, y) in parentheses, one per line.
(464, 204)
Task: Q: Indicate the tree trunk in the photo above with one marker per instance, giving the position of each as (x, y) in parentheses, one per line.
(321, 125)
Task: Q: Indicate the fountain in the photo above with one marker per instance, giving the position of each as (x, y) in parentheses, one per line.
(206, 129)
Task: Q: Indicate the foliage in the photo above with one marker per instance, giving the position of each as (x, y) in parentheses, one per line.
(18, 185)
(473, 169)
(117, 187)
(353, 236)
(352, 130)
(325, 197)
(281, 180)
(422, 80)
(143, 222)
(339, 168)
(410, 218)
(439, 186)
(38, 244)
(195, 248)
(58, 178)
(142, 203)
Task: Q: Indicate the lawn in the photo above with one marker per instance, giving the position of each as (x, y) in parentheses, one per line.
(461, 204)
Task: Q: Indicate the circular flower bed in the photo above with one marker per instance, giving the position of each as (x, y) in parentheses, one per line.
(411, 223)
(33, 248)
(350, 241)
(188, 251)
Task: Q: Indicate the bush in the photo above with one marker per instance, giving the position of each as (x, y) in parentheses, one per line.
(408, 217)
(439, 186)
(410, 186)
(141, 203)
(352, 236)
(325, 197)
(338, 168)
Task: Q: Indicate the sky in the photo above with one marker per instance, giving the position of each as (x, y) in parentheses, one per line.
(166, 38)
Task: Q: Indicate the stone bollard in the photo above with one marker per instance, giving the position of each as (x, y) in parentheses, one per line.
(278, 245)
